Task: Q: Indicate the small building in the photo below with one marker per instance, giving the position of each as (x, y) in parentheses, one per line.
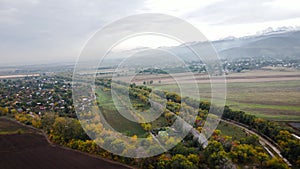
(163, 133)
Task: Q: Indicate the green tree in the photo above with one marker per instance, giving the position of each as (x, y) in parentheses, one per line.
(215, 154)
(243, 153)
(262, 157)
(194, 159)
(275, 163)
(47, 121)
(181, 162)
(68, 129)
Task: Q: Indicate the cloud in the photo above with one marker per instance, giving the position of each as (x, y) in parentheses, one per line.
(176, 7)
(38, 29)
(222, 18)
(240, 12)
(33, 30)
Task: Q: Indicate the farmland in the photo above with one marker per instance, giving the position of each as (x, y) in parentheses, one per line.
(31, 150)
(63, 129)
(275, 98)
(9, 127)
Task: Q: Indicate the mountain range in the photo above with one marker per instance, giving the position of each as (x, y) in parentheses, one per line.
(282, 43)
(276, 44)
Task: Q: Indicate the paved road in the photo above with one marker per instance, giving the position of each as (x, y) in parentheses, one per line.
(297, 137)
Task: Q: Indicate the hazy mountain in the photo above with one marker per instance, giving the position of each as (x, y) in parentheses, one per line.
(277, 44)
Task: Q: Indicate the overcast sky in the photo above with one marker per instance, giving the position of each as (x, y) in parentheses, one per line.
(56, 30)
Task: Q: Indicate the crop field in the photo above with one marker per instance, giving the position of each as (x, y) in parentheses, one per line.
(269, 94)
(270, 98)
(30, 150)
(8, 127)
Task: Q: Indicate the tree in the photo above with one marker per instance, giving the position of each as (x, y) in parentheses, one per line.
(68, 129)
(47, 121)
(215, 154)
(180, 148)
(4, 111)
(194, 159)
(217, 159)
(36, 122)
(181, 162)
(275, 163)
(146, 126)
(252, 140)
(261, 157)
(243, 153)
(13, 111)
(173, 97)
(283, 135)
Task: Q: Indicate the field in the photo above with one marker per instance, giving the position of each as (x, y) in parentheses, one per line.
(267, 96)
(232, 131)
(114, 118)
(18, 76)
(8, 127)
(30, 150)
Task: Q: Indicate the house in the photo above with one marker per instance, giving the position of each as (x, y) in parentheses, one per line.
(163, 133)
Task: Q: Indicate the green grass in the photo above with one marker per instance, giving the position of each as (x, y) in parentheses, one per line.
(114, 118)
(278, 101)
(262, 106)
(286, 118)
(159, 122)
(232, 131)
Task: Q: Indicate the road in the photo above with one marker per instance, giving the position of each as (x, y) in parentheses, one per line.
(297, 137)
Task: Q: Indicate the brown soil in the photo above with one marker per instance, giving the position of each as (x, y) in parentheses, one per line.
(32, 151)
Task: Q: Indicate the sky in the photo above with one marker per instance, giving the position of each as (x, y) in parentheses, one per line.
(45, 31)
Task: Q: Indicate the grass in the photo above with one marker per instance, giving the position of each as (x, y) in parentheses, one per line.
(278, 101)
(114, 118)
(285, 118)
(159, 122)
(232, 131)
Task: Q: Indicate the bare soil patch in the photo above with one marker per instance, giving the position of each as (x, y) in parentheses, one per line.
(32, 151)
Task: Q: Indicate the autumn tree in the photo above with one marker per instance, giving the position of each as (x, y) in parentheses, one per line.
(215, 154)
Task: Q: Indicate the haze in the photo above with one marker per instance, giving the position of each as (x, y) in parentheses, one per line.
(44, 31)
